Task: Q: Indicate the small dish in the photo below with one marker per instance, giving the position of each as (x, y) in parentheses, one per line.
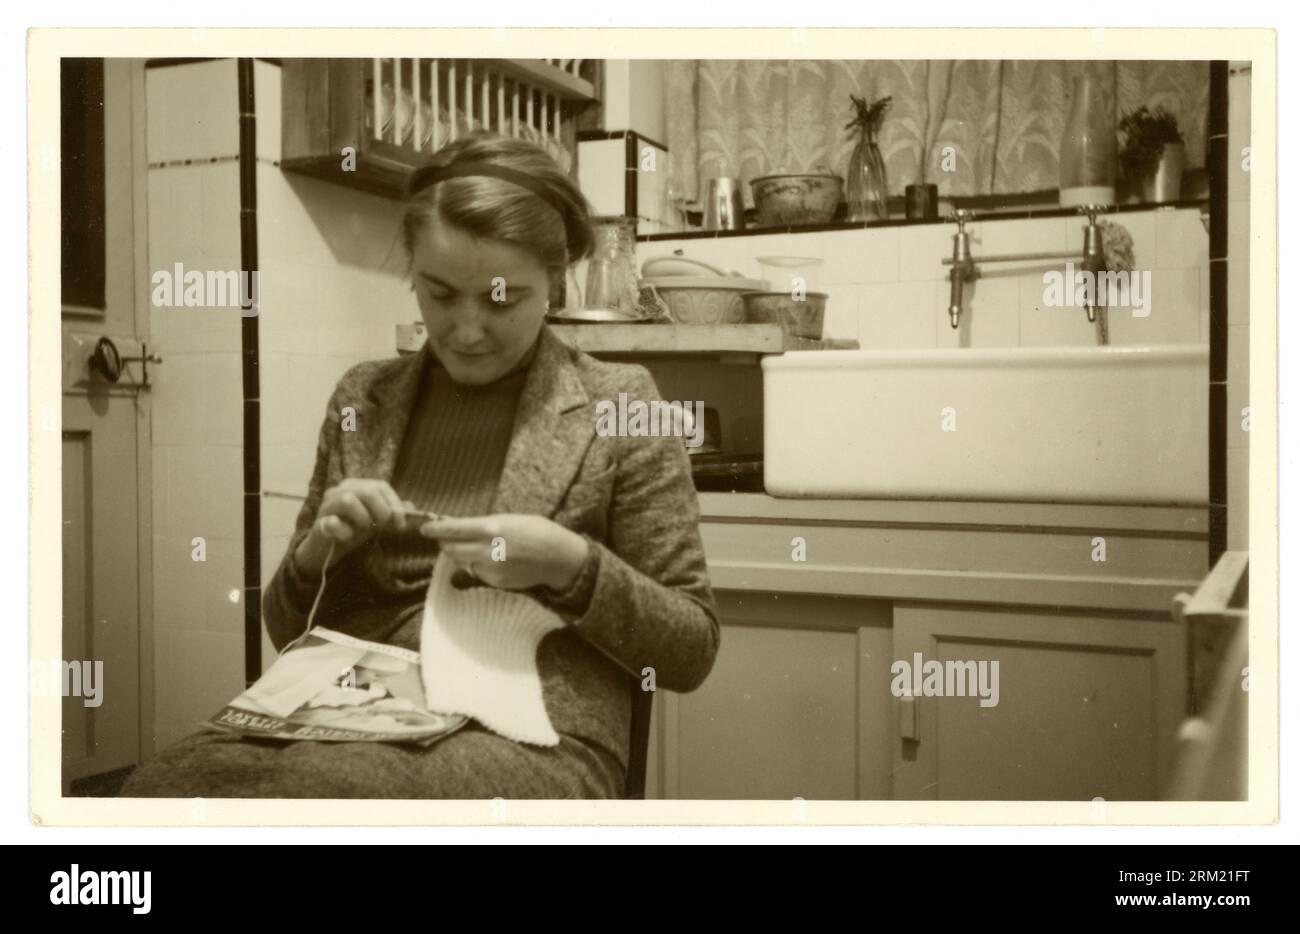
(596, 316)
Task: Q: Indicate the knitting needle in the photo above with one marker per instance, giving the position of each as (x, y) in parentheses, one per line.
(416, 513)
(461, 579)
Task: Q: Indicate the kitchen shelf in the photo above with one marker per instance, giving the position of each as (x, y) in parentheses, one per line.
(663, 339)
(690, 339)
(1012, 213)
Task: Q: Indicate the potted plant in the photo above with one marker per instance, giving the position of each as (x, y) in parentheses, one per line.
(1153, 153)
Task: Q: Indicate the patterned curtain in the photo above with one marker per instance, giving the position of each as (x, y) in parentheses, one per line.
(1003, 119)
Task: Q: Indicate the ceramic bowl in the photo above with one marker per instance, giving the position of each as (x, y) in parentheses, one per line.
(798, 318)
(703, 299)
(793, 200)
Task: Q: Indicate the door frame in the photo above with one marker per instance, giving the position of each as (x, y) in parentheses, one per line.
(144, 404)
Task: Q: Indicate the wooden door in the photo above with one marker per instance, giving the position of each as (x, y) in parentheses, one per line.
(106, 440)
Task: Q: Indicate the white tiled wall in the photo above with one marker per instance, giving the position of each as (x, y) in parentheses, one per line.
(193, 111)
(888, 288)
(192, 114)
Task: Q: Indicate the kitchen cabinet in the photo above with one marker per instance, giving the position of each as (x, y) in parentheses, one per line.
(1086, 706)
(1091, 665)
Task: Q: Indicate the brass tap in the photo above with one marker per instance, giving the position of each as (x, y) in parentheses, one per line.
(963, 266)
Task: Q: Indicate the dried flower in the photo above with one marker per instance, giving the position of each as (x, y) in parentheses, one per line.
(868, 116)
(1117, 246)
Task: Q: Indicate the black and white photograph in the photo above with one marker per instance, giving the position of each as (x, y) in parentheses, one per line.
(455, 418)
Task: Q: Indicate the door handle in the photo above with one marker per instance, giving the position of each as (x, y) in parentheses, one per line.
(105, 360)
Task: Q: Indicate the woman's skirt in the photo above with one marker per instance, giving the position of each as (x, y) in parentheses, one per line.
(471, 763)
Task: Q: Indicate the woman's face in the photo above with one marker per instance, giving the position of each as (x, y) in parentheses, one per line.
(482, 301)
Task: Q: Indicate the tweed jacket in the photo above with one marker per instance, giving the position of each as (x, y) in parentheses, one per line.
(632, 498)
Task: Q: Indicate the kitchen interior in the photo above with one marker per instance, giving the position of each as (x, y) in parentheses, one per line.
(908, 449)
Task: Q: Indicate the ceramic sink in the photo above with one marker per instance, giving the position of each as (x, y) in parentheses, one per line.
(1062, 424)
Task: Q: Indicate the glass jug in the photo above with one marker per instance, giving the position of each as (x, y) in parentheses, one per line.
(611, 271)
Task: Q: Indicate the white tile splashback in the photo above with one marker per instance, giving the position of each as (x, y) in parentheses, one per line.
(888, 287)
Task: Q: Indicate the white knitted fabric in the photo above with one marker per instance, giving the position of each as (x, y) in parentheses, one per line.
(478, 657)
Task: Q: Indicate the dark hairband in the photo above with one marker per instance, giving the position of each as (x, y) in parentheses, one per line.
(427, 176)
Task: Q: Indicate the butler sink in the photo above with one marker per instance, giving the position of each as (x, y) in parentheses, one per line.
(1060, 424)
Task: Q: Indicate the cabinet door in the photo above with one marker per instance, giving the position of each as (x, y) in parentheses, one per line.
(793, 707)
(1086, 706)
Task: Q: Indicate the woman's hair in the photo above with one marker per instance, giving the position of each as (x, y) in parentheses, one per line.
(548, 218)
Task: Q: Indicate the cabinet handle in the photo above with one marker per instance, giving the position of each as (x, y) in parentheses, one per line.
(908, 727)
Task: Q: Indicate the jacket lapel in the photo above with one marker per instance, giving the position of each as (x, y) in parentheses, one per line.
(371, 450)
(552, 429)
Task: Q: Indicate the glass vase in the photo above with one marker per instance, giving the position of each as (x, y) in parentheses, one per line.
(868, 188)
(1087, 148)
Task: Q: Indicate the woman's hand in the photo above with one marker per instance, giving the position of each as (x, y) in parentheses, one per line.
(512, 551)
(349, 515)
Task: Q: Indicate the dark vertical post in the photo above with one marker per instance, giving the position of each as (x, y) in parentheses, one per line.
(249, 310)
(631, 165)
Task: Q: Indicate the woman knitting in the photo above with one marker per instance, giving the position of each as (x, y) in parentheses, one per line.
(492, 428)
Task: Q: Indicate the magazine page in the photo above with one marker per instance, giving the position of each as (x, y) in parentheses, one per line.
(330, 687)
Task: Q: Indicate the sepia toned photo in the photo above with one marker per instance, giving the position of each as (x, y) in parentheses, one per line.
(802, 436)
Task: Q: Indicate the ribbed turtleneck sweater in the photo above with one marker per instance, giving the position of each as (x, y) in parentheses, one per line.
(451, 458)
